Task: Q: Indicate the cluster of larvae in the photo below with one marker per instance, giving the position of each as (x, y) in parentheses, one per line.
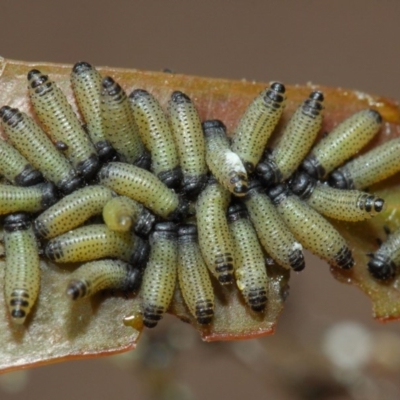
(146, 199)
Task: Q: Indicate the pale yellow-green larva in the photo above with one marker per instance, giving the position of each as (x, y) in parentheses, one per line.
(215, 239)
(295, 143)
(30, 140)
(159, 277)
(72, 211)
(225, 165)
(346, 140)
(156, 135)
(61, 124)
(311, 229)
(194, 278)
(257, 124)
(22, 274)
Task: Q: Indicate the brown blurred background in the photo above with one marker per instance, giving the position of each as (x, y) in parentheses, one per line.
(353, 44)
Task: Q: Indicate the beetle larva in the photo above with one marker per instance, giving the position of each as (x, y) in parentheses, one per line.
(346, 205)
(343, 142)
(61, 124)
(372, 167)
(73, 210)
(194, 279)
(215, 239)
(94, 276)
(144, 187)
(257, 124)
(295, 142)
(186, 128)
(157, 137)
(311, 229)
(86, 84)
(122, 213)
(250, 273)
(119, 124)
(384, 262)
(16, 168)
(26, 199)
(92, 242)
(22, 274)
(275, 237)
(225, 165)
(30, 140)
(160, 274)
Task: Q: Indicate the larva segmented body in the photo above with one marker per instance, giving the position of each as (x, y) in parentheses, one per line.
(120, 128)
(72, 211)
(95, 276)
(86, 84)
(251, 274)
(186, 128)
(22, 274)
(61, 124)
(215, 239)
(257, 124)
(122, 213)
(346, 205)
(160, 274)
(295, 142)
(225, 165)
(30, 140)
(343, 142)
(157, 137)
(144, 187)
(275, 237)
(194, 279)
(311, 229)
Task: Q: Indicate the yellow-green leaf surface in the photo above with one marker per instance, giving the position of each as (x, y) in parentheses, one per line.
(59, 329)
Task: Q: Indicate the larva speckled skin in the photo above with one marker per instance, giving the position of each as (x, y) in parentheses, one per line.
(26, 199)
(225, 165)
(160, 274)
(16, 168)
(193, 275)
(92, 242)
(383, 264)
(22, 273)
(73, 210)
(188, 135)
(157, 137)
(120, 127)
(295, 143)
(61, 124)
(144, 187)
(257, 124)
(250, 273)
(95, 276)
(123, 214)
(346, 205)
(86, 84)
(378, 164)
(346, 140)
(311, 229)
(275, 237)
(215, 239)
(30, 140)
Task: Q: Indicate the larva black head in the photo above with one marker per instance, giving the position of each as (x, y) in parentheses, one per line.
(312, 106)
(192, 185)
(341, 179)
(137, 94)
(81, 67)
(37, 79)
(76, 289)
(28, 176)
(236, 211)
(111, 87)
(134, 279)
(312, 166)
(376, 115)
(302, 185)
(382, 267)
(17, 222)
(10, 116)
(180, 97)
(213, 127)
(144, 160)
(278, 193)
(70, 184)
(89, 167)
(187, 233)
(105, 151)
(268, 171)
(254, 187)
(344, 258)
(239, 183)
(49, 194)
(275, 92)
(140, 253)
(204, 312)
(171, 178)
(168, 230)
(181, 211)
(296, 260)
(257, 299)
(40, 229)
(145, 222)
(376, 204)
